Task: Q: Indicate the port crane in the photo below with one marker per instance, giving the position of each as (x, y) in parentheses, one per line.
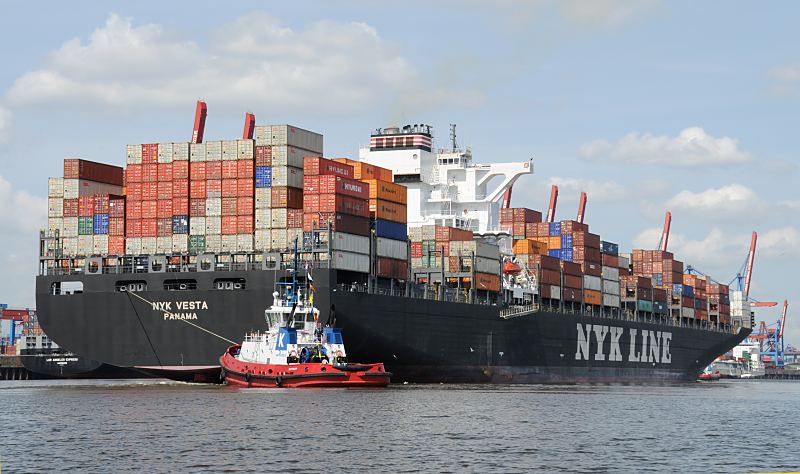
(249, 126)
(770, 339)
(551, 209)
(200, 114)
(662, 245)
(582, 208)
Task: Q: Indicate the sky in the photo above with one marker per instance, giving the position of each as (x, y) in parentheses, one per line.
(648, 106)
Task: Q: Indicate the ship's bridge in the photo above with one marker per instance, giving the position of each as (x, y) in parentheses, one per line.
(444, 186)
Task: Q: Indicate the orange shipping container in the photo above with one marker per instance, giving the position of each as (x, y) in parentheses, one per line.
(244, 224)
(197, 171)
(554, 243)
(229, 169)
(164, 208)
(389, 211)
(149, 227)
(487, 281)
(116, 245)
(529, 246)
(286, 197)
(165, 172)
(316, 165)
(229, 225)
(592, 297)
(180, 206)
(245, 169)
(164, 190)
(245, 187)
(197, 189)
(229, 187)
(229, 206)
(387, 191)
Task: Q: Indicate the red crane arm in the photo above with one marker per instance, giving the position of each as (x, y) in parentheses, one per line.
(506, 204)
(582, 207)
(783, 317)
(749, 269)
(665, 232)
(249, 126)
(199, 122)
(551, 210)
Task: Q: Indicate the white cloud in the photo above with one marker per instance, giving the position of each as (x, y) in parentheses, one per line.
(731, 199)
(786, 79)
(718, 252)
(780, 242)
(691, 148)
(604, 13)
(601, 191)
(5, 124)
(21, 211)
(326, 67)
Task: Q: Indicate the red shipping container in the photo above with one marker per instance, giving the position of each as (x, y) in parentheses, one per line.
(294, 218)
(229, 188)
(197, 207)
(310, 202)
(116, 206)
(116, 226)
(197, 189)
(244, 169)
(311, 184)
(149, 227)
(149, 191)
(197, 171)
(523, 214)
(180, 170)
(229, 206)
(214, 169)
(339, 222)
(229, 170)
(164, 208)
(343, 204)
(316, 165)
(86, 206)
(416, 249)
(75, 168)
(134, 191)
(150, 173)
(392, 268)
(229, 225)
(116, 245)
(149, 209)
(165, 172)
(286, 197)
(245, 206)
(164, 227)
(133, 174)
(180, 188)
(133, 227)
(149, 153)
(338, 185)
(245, 224)
(245, 187)
(133, 210)
(180, 206)
(214, 188)
(71, 207)
(165, 190)
(263, 155)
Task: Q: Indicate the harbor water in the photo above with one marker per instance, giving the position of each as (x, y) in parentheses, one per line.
(164, 426)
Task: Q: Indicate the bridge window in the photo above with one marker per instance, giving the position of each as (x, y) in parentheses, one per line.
(126, 285)
(180, 285)
(66, 288)
(229, 284)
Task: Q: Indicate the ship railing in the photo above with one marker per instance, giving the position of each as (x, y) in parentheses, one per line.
(416, 292)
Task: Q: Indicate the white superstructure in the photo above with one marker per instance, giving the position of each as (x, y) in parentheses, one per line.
(444, 186)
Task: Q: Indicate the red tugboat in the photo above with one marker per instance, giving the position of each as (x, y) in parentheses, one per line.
(296, 351)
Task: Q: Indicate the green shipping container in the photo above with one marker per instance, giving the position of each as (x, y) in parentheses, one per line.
(85, 226)
(646, 306)
(197, 243)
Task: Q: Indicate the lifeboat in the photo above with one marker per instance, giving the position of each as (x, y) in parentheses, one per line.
(511, 268)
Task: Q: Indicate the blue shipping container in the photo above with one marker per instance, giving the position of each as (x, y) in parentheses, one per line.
(554, 253)
(263, 176)
(390, 230)
(566, 255)
(677, 289)
(100, 224)
(180, 224)
(566, 241)
(658, 279)
(555, 229)
(688, 291)
(609, 248)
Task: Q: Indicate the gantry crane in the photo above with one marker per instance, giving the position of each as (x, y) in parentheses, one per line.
(551, 209)
(199, 122)
(582, 208)
(771, 339)
(249, 126)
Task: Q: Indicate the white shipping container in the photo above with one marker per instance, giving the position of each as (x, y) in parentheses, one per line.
(487, 265)
(624, 262)
(687, 312)
(416, 262)
(228, 243)
(611, 301)
(263, 218)
(230, 150)
(354, 262)
(263, 198)
(262, 239)
(100, 244)
(197, 152)
(180, 243)
(285, 155)
(70, 228)
(213, 225)
(278, 239)
(415, 234)
(55, 187)
(213, 206)
(293, 233)
(149, 245)
(611, 273)
(263, 135)
(85, 244)
(56, 223)
(213, 243)
(350, 243)
(134, 154)
(55, 207)
(592, 283)
(391, 248)
(74, 188)
(244, 242)
(297, 137)
(165, 154)
(428, 232)
(555, 292)
(245, 149)
(278, 218)
(214, 151)
(180, 152)
(197, 226)
(287, 176)
(163, 244)
(481, 249)
(611, 287)
(69, 246)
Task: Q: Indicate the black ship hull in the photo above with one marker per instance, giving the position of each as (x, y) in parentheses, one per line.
(182, 333)
(60, 364)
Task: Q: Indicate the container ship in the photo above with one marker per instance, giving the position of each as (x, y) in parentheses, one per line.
(413, 251)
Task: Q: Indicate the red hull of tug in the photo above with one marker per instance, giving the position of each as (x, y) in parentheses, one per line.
(250, 374)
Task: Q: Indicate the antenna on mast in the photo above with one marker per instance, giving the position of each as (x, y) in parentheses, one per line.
(453, 136)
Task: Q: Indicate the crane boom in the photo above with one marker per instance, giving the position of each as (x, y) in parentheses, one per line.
(551, 210)
(506, 203)
(749, 269)
(199, 122)
(783, 318)
(662, 246)
(582, 207)
(249, 126)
